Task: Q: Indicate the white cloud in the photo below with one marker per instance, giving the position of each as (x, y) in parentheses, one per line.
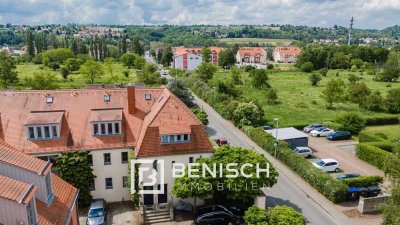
(367, 14)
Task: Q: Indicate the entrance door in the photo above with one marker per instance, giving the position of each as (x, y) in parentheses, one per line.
(163, 198)
(148, 198)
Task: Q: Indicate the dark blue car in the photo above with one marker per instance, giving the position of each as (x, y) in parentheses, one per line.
(339, 135)
(348, 176)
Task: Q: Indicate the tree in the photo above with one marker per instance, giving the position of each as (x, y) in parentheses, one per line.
(43, 81)
(351, 121)
(358, 92)
(54, 41)
(314, 78)
(284, 215)
(92, 70)
(149, 75)
(109, 62)
(323, 72)
(236, 72)
(8, 73)
(391, 209)
(256, 216)
(182, 92)
(239, 184)
(391, 69)
(192, 187)
(59, 56)
(307, 67)
(201, 115)
(64, 72)
(167, 56)
(226, 58)
(272, 96)
(246, 114)
(73, 64)
(74, 168)
(137, 47)
(259, 78)
(373, 102)
(123, 44)
(353, 78)
(128, 59)
(29, 44)
(392, 100)
(205, 71)
(333, 92)
(206, 55)
(139, 62)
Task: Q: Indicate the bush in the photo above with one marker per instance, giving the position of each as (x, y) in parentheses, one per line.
(307, 67)
(382, 120)
(365, 136)
(323, 72)
(384, 145)
(332, 125)
(270, 66)
(272, 96)
(364, 181)
(255, 215)
(353, 122)
(314, 79)
(372, 155)
(64, 72)
(392, 100)
(283, 215)
(201, 115)
(331, 188)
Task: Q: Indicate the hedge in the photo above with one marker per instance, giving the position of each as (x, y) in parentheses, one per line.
(364, 181)
(372, 155)
(384, 145)
(365, 136)
(327, 185)
(382, 120)
(334, 126)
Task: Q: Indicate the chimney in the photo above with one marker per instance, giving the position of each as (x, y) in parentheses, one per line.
(131, 99)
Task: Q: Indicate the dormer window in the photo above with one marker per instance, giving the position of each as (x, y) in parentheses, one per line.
(106, 122)
(107, 98)
(106, 128)
(175, 138)
(43, 125)
(147, 96)
(43, 132)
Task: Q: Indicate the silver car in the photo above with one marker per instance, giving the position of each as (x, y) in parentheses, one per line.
(306, 152)
(97, 214)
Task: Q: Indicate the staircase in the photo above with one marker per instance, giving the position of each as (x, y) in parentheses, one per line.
(157, 216)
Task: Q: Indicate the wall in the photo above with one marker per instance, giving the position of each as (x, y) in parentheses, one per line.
(193, 62)
(116, 171)
(11, 212)
(368, 205)
(178, 62)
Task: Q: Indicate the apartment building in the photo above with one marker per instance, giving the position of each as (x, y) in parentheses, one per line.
(188, 59)
(286, 54)
(251, 55)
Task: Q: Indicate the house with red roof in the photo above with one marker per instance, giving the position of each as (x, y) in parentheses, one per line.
(31, 194)
(251, 55)
(188, 59)
(286, 54)
(152, 123)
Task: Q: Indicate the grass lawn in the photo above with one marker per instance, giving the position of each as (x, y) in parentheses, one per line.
(75, 79)
(275, 42)
(301, 103)
(391, 131)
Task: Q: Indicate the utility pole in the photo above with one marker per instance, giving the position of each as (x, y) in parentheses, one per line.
(350, 29)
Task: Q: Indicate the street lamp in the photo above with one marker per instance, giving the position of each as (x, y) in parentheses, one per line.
(276, 135)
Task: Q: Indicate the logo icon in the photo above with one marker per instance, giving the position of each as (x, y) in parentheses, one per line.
(151, 173)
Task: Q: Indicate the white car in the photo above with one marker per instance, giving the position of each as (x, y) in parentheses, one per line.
(327, 165)
(321, 132)
(306, 152)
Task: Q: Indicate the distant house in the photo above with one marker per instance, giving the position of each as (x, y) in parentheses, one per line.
(286, 54)
(188, 59)
(251, 55)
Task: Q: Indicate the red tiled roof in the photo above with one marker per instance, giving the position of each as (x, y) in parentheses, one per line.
(288, 51)
(15, 190)
(250, 51)
(106, 115)
(35, 118)
(14, 157)
(182, 50)
(59, 210)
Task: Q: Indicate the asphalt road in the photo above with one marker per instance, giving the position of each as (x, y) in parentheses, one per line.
(290, 190)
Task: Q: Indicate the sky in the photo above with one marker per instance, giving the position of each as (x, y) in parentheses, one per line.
(374, 14)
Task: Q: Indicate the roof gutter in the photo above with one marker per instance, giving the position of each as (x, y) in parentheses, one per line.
(44, 167)
(70, 210)
(25, 193)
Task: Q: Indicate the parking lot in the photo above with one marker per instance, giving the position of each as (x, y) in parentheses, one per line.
(344, 153)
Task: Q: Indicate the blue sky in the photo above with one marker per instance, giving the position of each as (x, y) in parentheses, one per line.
(325, 13)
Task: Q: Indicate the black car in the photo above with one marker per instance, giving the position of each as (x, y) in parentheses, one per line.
(339, 135)
(218, 214)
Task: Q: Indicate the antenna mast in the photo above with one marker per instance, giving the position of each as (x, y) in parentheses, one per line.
(350, 29)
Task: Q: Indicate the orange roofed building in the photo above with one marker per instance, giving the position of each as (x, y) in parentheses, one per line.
(251, 55)
(109, 123)
(286, 54)
(31, 194)
(188, 59)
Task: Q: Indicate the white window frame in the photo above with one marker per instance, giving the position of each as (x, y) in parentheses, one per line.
(41, 129)
(173, 138)
(107, 131)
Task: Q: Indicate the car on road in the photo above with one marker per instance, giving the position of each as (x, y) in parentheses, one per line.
(221, 141)
(97, 214)
(327, 165)
(311, 127)
(306, 152)
(219, 215)
(347, 176)
(321, 132)
(339, 135)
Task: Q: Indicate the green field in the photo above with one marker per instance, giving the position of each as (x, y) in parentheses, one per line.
(301, 103)
(244, 41)
(391, 131)
(75, 79)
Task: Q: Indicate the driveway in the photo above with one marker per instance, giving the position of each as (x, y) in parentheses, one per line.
(119, 214)
(344, 153)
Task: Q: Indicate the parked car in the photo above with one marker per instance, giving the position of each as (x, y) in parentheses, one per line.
(339, 135)
(306, 152)
(311, 127)
(348, 176)
(97, 214)
(182, 206)
(218, 215)
(327, 165)
(221, 141)
(266, 127)
(321, 132)
(165, 73)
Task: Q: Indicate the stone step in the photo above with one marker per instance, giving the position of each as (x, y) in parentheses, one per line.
(156, 221)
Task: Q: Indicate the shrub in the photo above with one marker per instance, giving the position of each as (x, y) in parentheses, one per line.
(283, 215)
(270, 66)
(353, 122)
(392, 100)
(384, 145)
(332, 125)
(323, 72)
(255, 215)
(372, 155)
(272, 96)
(314, 79)
(366, 136)
(64, 72)
(307, 67)
(331, 188)
(201, 115)
(382, 120)
(364, 181)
